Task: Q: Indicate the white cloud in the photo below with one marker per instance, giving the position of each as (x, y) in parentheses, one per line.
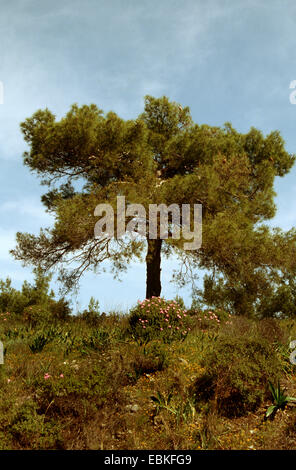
(7, 242)
(26, 207)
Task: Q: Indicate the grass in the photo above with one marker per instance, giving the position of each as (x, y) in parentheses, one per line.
(74, 384)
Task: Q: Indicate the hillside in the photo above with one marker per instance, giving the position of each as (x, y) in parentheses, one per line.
(161, 378)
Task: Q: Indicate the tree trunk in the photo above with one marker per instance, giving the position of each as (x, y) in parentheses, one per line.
(153, 258)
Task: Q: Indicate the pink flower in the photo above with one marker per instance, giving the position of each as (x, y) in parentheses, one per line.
(161, 329)
(46, 376)
(62, 376)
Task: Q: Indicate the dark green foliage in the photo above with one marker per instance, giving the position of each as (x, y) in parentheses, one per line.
(29, 428)
(38, 343)
(92, 315)
(281, 400)
(237, 373)
(34, 303)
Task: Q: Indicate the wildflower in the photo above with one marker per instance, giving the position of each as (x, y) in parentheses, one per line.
(62, 376)
(47, 376)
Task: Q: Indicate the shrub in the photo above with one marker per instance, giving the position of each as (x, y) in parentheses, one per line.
(92, 315)
(149, 359)
(79, 390)
(52, 311)
(237, 372)
(209, 320)
(37, 314)
(59, 309)
(158, 318)
(30, 429)
(11, 299)
(97, 340)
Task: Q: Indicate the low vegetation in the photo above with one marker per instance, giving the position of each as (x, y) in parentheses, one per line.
(162, 377)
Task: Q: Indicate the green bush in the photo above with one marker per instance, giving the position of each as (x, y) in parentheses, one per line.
(37, 314)
(209, 319)
(31, 430)
(97, 340)
(59, 309)
(48, 313)
(149, 359)
(237, 371)
(35, 303)
(92, 315)
(158, 318)
(78, 391)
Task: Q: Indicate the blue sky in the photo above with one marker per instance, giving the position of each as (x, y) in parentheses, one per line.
(229, 60)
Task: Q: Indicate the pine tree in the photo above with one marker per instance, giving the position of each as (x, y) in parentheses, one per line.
(89, 157)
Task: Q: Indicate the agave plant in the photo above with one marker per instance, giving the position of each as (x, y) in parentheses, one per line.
(162, 402)
(281, 400)
(38, 343)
